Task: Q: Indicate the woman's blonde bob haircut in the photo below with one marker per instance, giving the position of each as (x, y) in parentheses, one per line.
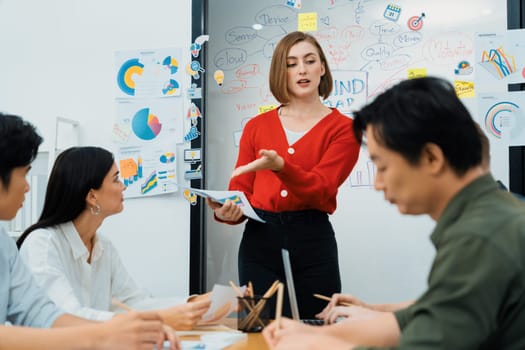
(278, 68)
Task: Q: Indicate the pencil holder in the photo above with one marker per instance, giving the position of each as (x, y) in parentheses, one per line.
(253, 314)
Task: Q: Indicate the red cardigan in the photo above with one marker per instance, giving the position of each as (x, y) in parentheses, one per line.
(314, 166)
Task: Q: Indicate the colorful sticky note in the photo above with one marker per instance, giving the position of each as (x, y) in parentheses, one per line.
(413, 73)
(307, 22)
(267, 108)
(128, 168)
(464, 89)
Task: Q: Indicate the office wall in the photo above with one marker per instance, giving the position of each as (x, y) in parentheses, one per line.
(383, 255)
(57, 59)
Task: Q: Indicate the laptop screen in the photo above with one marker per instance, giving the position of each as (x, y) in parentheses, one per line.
(289, 283)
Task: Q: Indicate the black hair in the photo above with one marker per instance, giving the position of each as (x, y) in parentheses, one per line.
(416, 112)
(76, 171)
(19, 144)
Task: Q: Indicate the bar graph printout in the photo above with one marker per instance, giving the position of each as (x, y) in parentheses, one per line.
(236, 197)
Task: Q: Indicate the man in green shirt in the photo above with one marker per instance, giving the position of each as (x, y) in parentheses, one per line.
(427, 151)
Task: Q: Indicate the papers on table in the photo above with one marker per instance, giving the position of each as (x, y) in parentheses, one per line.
(236, 197)
(207, 329)
(215, 341)
(223, 302)
(215, 336)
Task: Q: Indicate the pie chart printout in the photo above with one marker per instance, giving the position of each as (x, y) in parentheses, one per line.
(146, 125)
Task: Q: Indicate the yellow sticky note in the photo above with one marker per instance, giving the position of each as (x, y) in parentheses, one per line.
(307, 22)
(267, 108)
(413, 73)
(128, 168)
(464, 89)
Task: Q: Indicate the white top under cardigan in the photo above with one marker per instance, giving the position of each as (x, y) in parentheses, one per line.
(58, 259)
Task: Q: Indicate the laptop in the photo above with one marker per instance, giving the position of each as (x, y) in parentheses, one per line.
(291, 292)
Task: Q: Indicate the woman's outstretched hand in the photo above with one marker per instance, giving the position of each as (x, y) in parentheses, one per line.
(269, 160)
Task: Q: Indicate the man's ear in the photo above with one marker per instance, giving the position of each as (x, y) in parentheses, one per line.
(432, 158)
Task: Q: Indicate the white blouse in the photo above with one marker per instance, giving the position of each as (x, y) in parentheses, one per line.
(58, 259)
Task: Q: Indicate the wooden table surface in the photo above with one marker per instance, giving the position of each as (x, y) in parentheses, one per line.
(255, 341)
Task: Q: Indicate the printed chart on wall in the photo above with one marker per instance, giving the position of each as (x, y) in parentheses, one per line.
(501, 61)
(370, 45)
(149, 121)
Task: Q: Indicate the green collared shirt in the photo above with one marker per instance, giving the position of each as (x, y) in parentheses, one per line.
(476, 287)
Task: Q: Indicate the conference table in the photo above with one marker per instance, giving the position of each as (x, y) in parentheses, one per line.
(254, 341)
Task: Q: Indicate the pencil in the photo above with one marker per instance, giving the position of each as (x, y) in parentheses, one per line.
(323, 297)
(253, 310)
(250, 289)
(279, 307)
(121, 305)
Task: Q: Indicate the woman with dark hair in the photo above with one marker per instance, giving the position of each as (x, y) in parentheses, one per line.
(291, 163)
(80, 269)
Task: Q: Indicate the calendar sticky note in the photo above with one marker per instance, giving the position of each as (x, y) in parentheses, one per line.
(392, 12)
(307, 22)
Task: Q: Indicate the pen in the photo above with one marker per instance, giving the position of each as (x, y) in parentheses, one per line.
(323, 297)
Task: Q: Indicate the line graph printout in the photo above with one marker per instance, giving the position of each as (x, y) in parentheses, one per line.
(500, 57)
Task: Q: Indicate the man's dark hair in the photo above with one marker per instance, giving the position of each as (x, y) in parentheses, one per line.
(19, 144)
(416, 112)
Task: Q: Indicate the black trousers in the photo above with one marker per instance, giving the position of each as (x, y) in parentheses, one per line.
(309, 237)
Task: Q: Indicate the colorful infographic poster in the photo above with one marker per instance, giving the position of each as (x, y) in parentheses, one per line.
(146, 132)
(501, 59)
(149, 121)
(502, 117)
(148, 73)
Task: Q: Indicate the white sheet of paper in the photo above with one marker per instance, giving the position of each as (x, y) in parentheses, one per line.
(223, 302)
(238, 197)
(215, 341)
(207, 329)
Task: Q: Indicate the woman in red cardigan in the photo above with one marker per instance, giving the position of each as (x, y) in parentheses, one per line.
(291, 162)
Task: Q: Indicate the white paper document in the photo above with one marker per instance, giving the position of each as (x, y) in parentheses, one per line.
(237, 197)
(217, 341)
(223, 302)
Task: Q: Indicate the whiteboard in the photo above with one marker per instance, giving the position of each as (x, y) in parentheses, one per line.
(370, 45)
